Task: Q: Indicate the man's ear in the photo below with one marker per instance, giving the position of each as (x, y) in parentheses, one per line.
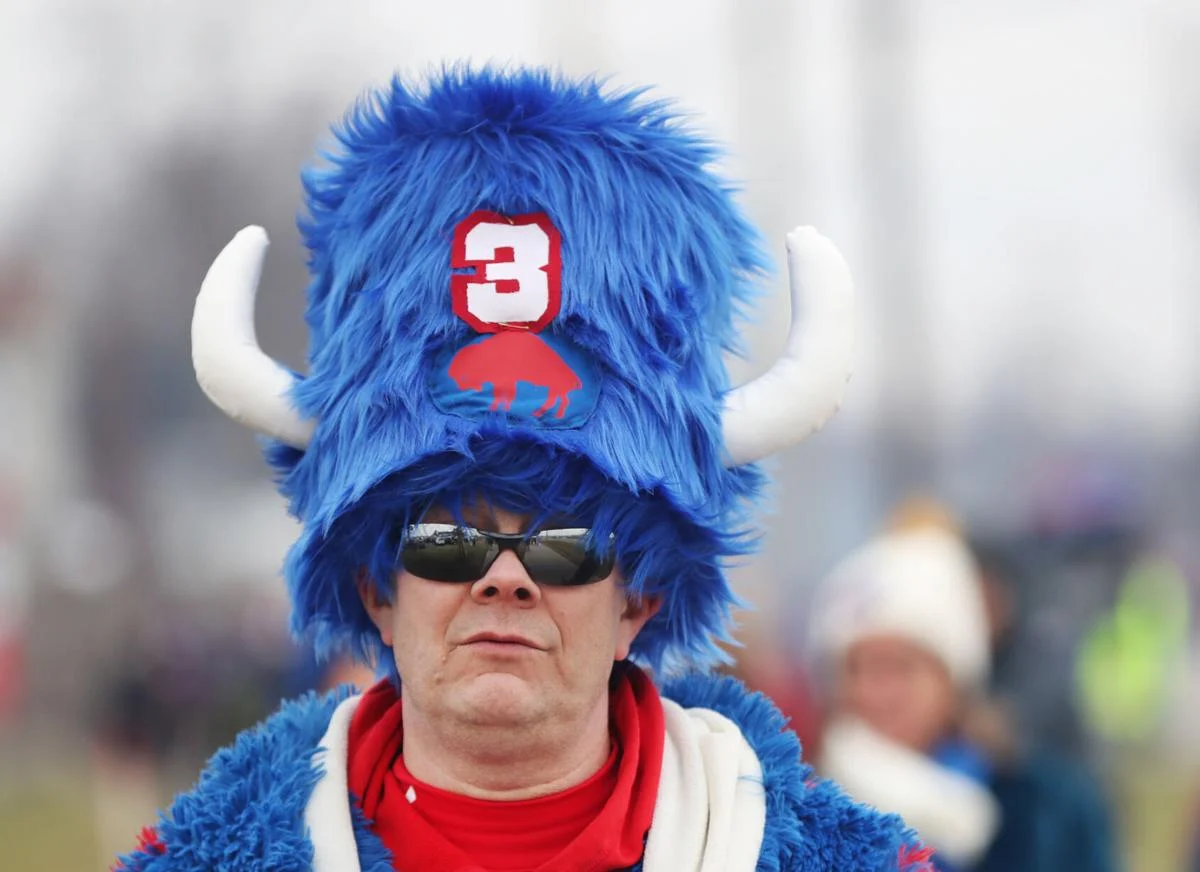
(378, 607)
(638, 610)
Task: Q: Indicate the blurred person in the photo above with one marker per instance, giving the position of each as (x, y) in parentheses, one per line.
(132, 728)
(519, 470)
(1038, 783)
(1131, 667)
(902, 634)
(15, 587)
(21, 311)
(1131, 661)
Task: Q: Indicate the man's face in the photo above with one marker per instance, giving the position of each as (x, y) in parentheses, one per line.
(504, 650)
(898, 688)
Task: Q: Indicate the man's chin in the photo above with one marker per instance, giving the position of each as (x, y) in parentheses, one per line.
(500, 698)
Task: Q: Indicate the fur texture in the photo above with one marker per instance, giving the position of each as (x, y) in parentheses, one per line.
(246, 812)
(657, 261)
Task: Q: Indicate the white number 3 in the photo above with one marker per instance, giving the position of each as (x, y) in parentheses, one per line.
(517, 268)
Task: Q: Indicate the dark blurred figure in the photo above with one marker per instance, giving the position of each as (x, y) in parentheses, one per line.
(1195, 861)
(1051, 805)
(904, 636)
(1045, 591)
(231, 671)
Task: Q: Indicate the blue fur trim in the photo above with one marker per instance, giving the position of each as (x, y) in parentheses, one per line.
(657, 261)
(812, 826)
(245, 803)
(246, 813)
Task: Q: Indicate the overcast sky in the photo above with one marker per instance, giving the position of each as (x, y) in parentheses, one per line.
(1057, 225)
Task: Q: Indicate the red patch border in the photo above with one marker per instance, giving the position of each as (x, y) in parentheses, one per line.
(460, 282)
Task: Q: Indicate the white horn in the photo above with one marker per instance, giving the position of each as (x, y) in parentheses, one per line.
(232, 370)
(804, 388)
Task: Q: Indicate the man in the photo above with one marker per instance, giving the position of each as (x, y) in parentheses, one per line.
(519, 469)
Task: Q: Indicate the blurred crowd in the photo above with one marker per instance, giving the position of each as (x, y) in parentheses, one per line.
(1027, 702)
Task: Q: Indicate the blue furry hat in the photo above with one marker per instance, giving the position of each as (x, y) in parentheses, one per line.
(522, 289)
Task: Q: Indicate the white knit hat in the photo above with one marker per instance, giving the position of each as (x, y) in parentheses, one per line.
(921, 585)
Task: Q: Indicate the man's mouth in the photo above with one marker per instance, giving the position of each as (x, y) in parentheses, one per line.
(502, 639)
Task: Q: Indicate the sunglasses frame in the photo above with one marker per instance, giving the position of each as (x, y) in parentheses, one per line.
(596, 567)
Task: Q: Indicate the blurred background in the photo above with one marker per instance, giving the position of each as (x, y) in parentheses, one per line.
(1016, 186)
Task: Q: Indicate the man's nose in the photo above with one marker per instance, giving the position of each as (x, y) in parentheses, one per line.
(506, 581)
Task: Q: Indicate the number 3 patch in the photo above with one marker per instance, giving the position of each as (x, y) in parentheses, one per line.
(516, 276)
(507, 286)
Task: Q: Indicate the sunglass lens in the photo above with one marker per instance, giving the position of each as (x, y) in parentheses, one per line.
(561, 557)
(442, 552)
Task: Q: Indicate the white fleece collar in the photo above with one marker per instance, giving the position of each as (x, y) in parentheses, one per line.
(709, 816)
(952, 813)
(327, 815)
(711, 808)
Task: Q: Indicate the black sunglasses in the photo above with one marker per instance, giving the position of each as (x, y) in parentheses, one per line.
(559, 558)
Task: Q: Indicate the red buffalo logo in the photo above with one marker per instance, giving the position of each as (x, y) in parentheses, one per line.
(504, 360)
